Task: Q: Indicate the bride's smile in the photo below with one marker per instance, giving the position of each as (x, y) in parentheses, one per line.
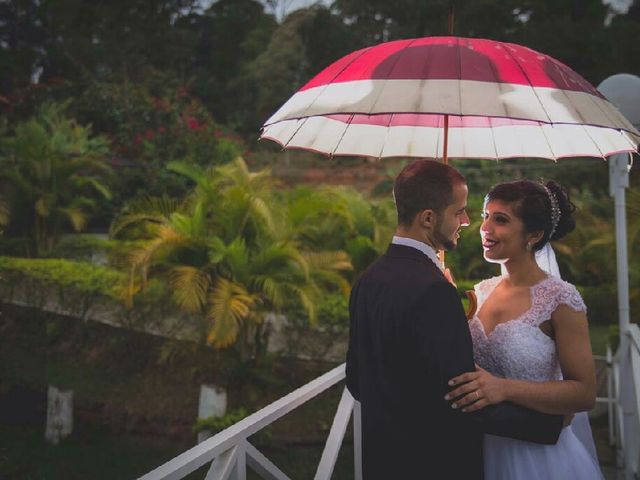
(502, 232)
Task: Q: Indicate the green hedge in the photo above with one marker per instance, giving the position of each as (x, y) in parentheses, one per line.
(80, 277)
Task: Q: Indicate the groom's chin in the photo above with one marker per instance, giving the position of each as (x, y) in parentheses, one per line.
(450, 245)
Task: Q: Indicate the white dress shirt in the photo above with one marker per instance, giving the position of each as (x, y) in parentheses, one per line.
(423, 247)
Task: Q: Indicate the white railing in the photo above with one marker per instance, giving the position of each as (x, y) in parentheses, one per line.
(624, 411)
(230, 452)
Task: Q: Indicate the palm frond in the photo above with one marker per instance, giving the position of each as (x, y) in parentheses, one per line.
(230, 304)
(190, 286)
(165, 241)
(190, 170)
(76, 217)
(95, 184)
(143, 211)
(262, 211)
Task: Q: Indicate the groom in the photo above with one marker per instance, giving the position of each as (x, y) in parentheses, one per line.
(409, 336)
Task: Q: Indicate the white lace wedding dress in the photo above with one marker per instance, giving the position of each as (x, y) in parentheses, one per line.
(519, 349)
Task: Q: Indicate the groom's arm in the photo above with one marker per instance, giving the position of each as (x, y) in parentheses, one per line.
(450, 347)
(353, 379)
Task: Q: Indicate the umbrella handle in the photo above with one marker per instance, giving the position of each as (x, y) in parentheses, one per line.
(473, 304)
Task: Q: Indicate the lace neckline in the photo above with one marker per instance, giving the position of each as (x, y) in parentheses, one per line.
(500, 279)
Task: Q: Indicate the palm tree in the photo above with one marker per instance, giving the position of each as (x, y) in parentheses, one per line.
(223, 253)
(53, 171)
(340, 218)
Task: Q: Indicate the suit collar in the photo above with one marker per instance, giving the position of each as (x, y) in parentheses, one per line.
(403, 251)
(421, 247)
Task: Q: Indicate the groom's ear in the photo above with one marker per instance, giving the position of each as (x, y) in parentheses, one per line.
(427, 218)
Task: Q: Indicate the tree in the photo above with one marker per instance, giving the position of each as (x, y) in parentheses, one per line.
(307, 40)
(53, 172)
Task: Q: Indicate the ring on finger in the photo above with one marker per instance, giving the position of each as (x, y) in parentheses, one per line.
(477, 395)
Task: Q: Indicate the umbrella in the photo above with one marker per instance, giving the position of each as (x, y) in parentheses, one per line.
(439, 97)
(451, 97)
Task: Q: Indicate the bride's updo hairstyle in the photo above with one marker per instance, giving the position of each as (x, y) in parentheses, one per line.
(535, 207)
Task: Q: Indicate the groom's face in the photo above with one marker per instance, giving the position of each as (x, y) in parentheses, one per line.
(448, 223)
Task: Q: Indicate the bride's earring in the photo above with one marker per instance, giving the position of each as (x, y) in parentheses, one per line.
(529, 247)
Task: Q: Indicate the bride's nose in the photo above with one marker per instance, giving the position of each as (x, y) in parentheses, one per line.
(485, 226)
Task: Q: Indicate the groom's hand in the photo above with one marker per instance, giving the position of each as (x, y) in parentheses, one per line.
(476, 390)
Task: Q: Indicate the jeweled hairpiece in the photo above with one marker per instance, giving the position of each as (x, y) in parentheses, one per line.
(555, 210)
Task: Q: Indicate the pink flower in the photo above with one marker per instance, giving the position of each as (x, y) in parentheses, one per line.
(192, 123)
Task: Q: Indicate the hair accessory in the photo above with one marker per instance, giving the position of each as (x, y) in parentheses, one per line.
(555, 210)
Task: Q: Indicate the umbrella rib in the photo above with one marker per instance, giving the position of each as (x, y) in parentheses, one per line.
(604, 112)
(506, 49)
(493, 135)
(497, 80)
(398, 57)
(301, 121)
(344, 132)
(389, 127)
(584, 127)
(326, 85)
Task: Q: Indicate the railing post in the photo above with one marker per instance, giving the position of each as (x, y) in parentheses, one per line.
(336, 435)
(240, 469)
(357, 440)
(611, 405)
(618, 181)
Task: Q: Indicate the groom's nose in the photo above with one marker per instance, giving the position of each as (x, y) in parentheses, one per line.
(464, 220)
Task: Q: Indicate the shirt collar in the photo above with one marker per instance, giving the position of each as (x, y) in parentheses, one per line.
(423, 247)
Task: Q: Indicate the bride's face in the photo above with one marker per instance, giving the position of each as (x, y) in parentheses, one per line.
(502, 232)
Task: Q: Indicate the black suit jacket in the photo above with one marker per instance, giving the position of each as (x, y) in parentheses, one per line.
(409, 336)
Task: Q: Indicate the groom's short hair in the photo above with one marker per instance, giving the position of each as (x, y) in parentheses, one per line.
(424, 185)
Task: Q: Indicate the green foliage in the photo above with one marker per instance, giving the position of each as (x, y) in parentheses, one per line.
(53, 172)
(602, 303)
(333, 313)
(80, 277)
(150, 126)
(217, 424)
(228, 253)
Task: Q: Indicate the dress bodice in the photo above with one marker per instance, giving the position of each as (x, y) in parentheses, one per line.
(518, 348)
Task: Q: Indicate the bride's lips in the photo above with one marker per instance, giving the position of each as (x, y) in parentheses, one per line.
(488, 243)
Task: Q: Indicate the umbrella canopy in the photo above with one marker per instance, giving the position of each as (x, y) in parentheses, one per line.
(495, 100)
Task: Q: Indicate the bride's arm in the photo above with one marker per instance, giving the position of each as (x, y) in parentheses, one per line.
(577, 392)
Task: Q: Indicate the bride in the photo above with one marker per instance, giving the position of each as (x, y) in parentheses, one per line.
(530, 336)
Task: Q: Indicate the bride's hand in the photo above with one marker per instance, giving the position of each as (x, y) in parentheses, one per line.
(477, 390)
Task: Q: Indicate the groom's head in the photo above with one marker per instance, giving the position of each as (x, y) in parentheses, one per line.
(431, 201)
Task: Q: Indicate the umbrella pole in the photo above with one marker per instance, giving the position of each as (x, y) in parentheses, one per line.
(471, 296)
(445, 146)
(445, 160)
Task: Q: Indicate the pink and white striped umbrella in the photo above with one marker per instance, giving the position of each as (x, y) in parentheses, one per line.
(494, 100)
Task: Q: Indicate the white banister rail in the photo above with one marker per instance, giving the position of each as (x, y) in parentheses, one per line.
(230, 452)
(625, 412)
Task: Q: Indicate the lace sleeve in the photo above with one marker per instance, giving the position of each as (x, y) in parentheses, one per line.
(548, 295)
(569, 295)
